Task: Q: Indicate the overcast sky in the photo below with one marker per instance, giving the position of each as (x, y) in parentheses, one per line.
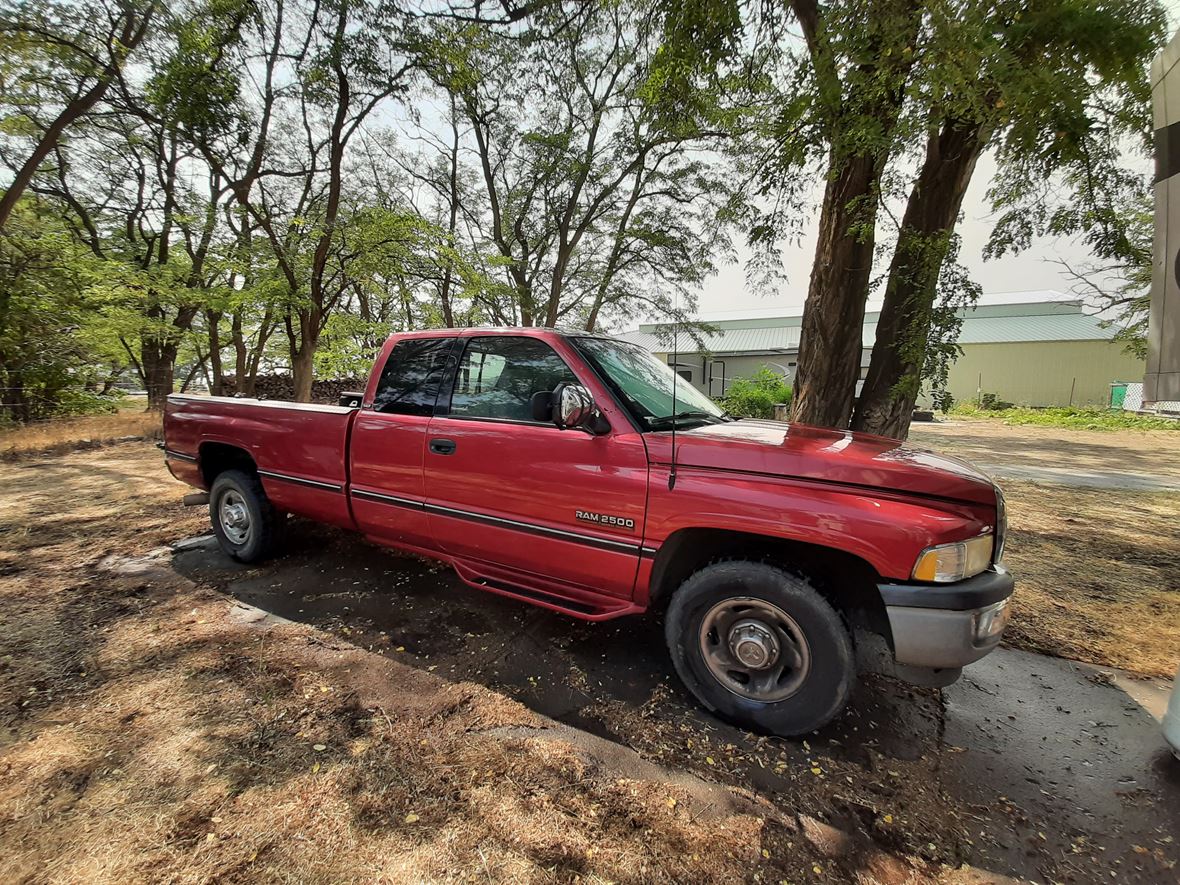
(728, 295)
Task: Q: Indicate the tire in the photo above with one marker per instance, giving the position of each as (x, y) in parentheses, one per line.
(246, 524)
(771, 617)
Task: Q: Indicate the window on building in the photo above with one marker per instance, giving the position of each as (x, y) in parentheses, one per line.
(498, 377)
(410, 379)
(686, 374)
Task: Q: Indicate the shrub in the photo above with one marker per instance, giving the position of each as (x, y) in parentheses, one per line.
(756, 397)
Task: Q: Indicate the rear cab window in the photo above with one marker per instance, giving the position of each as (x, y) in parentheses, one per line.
(411, 377)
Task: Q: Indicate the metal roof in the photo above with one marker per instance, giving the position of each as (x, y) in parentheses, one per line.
(1020, 326)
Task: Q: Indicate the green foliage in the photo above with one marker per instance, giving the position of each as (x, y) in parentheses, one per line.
(1074, 418)
(756, 396)
(49, 362)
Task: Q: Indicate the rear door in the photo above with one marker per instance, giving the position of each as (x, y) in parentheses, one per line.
(389, 439)
(560, 506)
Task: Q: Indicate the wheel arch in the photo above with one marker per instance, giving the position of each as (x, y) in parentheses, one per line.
(217, 457)
(847, 581)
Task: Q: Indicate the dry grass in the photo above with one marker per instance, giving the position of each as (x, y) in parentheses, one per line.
(149, 734)
(64, 434)
(1098, 575)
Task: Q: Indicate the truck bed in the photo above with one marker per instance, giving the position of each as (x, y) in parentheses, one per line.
(300, 448)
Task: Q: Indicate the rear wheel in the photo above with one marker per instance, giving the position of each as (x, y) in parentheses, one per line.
(246, 524)
(761, 647)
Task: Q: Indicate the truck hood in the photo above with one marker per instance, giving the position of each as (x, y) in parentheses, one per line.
(839, 456)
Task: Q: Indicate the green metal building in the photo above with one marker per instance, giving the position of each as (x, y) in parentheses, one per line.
(1041, 353)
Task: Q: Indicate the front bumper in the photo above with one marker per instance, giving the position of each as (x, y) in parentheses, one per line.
(946, 626)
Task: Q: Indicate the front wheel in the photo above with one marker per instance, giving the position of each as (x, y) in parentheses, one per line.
(761, 647)
(246, 524)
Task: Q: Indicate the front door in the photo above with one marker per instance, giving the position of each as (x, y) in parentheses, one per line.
(559, 506)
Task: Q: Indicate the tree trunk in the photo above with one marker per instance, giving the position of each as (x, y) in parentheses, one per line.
(886, 404)
(303, 344)
(830, 346)
(302, 374)
(216, 371)
(158, 363)
(862, 115)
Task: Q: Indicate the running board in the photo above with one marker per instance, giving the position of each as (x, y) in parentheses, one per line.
(585, 610)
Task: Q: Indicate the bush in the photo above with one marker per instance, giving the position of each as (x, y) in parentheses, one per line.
(990, 402)
(757, 396)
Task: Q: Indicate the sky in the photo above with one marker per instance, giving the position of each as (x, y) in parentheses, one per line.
(1011, 278)
(1029, 274)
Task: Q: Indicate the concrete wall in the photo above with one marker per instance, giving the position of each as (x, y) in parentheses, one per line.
(1041, 373)
(1162, 378)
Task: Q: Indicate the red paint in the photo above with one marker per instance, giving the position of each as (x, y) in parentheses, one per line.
(502, 508)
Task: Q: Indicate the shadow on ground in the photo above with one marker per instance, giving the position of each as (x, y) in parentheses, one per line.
(1031, 767)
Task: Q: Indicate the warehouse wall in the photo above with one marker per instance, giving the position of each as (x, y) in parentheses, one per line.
(1040, 373)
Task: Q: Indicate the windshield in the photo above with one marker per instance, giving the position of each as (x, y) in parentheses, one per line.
(645, 384)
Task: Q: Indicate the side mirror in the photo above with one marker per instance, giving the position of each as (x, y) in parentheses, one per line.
(573, 408)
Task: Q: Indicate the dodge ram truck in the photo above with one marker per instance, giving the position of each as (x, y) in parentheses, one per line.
(576, 472)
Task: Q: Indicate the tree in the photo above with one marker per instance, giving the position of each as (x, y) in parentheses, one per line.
(1056, 88)
(861, 56)
(591, 201)
(59, 60)
(45, 355)
(1118, 279)
(830, 97)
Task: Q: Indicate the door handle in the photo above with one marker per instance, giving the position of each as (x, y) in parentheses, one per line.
(442, 446)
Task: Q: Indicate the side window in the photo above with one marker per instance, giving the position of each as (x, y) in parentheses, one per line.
(497, 377)
(409, 382)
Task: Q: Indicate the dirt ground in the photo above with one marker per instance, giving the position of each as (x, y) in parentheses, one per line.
(153, 728)
(146, 733)
(989, 440)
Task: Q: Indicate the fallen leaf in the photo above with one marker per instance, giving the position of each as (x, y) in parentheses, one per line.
(412, 818)
(319, 748)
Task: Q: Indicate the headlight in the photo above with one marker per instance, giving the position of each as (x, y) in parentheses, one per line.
(954, 562)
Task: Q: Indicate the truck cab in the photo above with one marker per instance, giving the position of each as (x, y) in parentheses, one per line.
(575, 472)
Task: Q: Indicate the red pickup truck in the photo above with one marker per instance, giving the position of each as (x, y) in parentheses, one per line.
(574, 472)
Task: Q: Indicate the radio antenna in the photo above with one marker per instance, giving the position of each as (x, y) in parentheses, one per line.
(675, 378)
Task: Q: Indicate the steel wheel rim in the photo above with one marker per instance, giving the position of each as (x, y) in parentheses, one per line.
(754, 649)
(234, 517)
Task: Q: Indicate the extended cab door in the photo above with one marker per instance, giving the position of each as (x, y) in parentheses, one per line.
(389, 440)
(563, 508)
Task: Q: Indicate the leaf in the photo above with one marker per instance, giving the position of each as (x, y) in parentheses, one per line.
(412, 818)
(319, 748)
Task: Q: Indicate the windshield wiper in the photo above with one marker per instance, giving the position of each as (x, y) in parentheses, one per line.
(666, 421)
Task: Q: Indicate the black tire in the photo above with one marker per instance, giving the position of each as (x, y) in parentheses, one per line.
(816, 689)
(259, 536)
